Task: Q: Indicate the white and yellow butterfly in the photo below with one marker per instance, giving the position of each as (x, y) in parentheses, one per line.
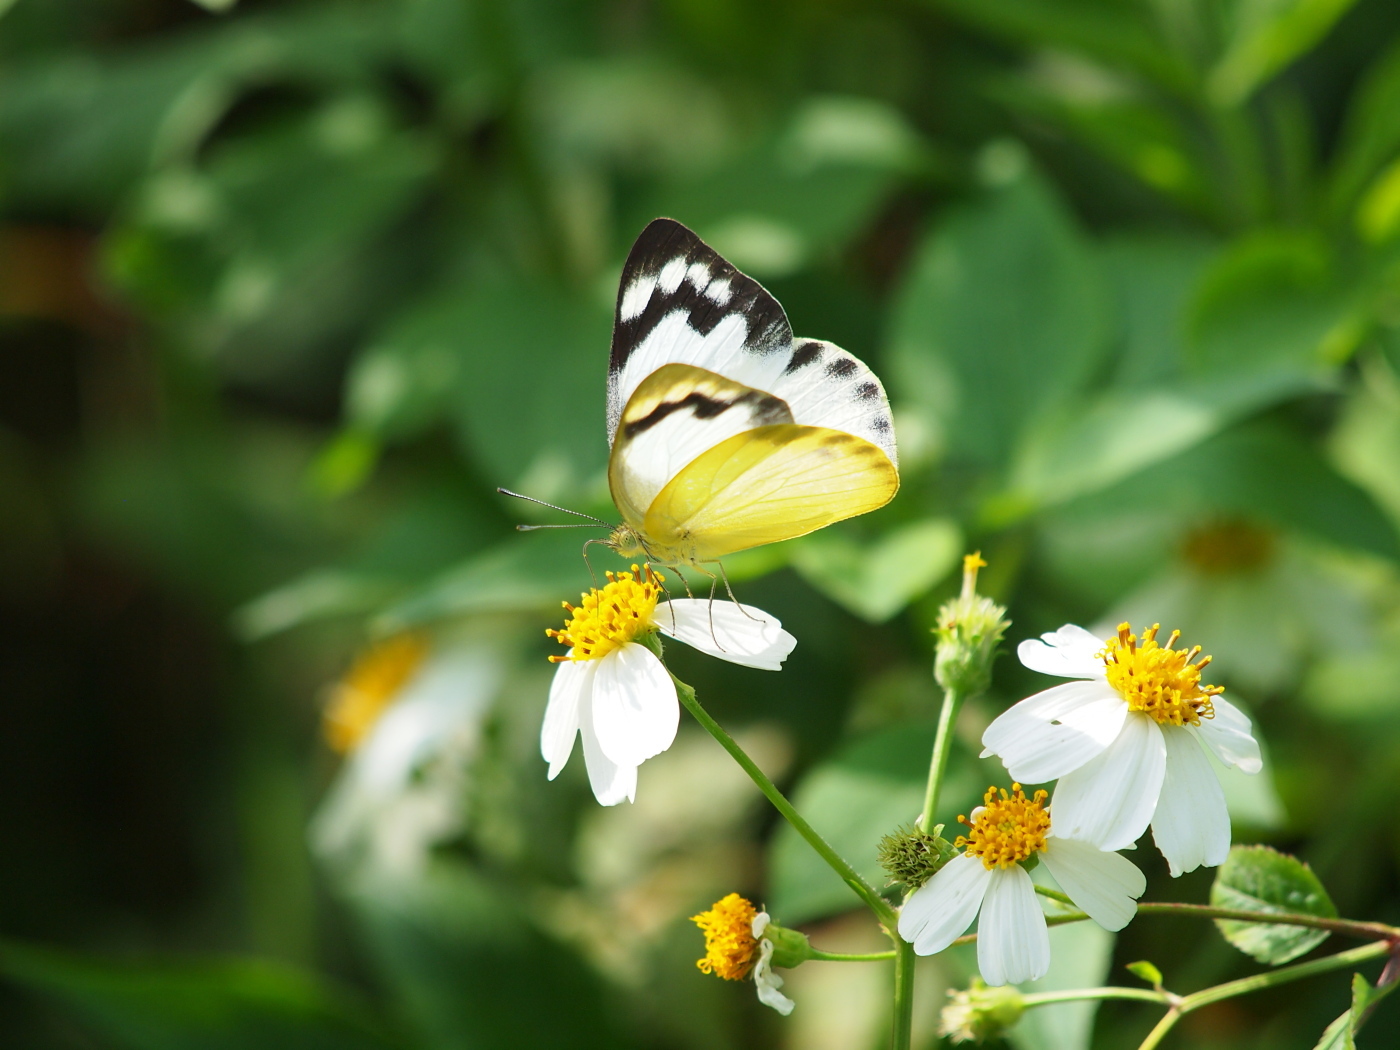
(726, 431)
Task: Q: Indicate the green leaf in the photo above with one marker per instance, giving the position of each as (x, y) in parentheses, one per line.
(1267, 38)
(1260, 879)
(1003, 318)
(1111, 31)
(1370, 134)
(1269, 310)
(1146, 971)
(1341, 1033)
(875, 581)
(200, 1004)
(871, 786)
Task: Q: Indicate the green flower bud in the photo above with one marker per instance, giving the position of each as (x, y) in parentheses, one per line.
(790, 947)
(912, 856)
(980, 1013)
(969, 629)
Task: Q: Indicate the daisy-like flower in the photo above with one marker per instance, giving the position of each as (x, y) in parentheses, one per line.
(989, 876)
(612, 690)
(735, 947)
(1126, 742)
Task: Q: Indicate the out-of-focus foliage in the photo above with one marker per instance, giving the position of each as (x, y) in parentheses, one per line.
(288, 288)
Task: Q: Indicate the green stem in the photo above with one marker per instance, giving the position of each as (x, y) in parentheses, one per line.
(1161, 1028)
(942, 744)
(1369, 930)
(1054, 895)
(902, 1037)
(813, 953)
(1258, 981)
(1143, 994)
(1230, 989)
(839, 864)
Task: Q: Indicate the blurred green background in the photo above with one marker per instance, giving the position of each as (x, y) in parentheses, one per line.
(286, 290)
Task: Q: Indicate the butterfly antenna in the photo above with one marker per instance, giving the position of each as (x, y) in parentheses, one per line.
(551, 506)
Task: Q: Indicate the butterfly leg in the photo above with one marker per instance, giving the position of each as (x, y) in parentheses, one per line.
(591, 574)
(730, 591)
(714, 584)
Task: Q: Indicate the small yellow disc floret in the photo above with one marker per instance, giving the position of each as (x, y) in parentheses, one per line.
(1159, 681)
(1007, 828)
(610, 618)
(729, 940)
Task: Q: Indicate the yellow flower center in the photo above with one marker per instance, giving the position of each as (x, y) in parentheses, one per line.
(1160, 681)
(610, 618)
(1007, 828)
(729, 940)
(369, 687)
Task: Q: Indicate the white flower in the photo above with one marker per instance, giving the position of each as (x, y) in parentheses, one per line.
(736, 947)
(410, 718)
(614, 692)
(1126, 742)
(1013, 942)
(764, 978)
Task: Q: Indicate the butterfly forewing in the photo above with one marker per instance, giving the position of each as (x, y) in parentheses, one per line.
(680, 302)
(765, 485)
(827, 387)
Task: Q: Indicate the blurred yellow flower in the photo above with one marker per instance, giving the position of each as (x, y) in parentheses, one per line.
(369, 687)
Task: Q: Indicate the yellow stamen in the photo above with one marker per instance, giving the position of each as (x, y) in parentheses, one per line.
(610, 618)
(729, 940)
(1007, 829)
(1160, 681)
(369, 687)
(971, 563)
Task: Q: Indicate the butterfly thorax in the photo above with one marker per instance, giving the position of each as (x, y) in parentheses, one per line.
(628, 543)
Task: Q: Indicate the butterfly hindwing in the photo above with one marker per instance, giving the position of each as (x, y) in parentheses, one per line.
(768, 484)
(678, 412)
(827, 387)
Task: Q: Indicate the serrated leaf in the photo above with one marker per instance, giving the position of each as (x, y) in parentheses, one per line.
(1341, 1033)
(1146, 971)
(1260, 879)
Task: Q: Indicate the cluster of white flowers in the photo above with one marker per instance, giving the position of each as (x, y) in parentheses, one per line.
(1125, 742)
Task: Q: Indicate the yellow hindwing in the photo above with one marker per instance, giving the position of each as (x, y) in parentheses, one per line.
(764, 485)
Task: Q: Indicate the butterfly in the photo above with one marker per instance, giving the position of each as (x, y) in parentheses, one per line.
(726, 432)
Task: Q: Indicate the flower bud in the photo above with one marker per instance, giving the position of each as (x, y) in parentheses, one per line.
(969, 629)
(790, 947)
(980, 1013)
(913, 856)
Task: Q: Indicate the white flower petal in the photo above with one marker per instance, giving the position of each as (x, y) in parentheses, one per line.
(759, 924)
(635, 710)
(610, 781)
(1109, 800)
(572, 679)
(1070, 652)
(1013, 942)
(769, 982)
(1191, 826)
(740, 634)
(1103, 884)
(1053, 732)
(1228, 735)
(942, 909)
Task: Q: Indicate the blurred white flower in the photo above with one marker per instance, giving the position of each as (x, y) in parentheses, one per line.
(614, 691)
(416, 727)
(1013, 941)
(1126, 742)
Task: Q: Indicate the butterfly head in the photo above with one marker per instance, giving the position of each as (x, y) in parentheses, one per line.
(626, 541)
